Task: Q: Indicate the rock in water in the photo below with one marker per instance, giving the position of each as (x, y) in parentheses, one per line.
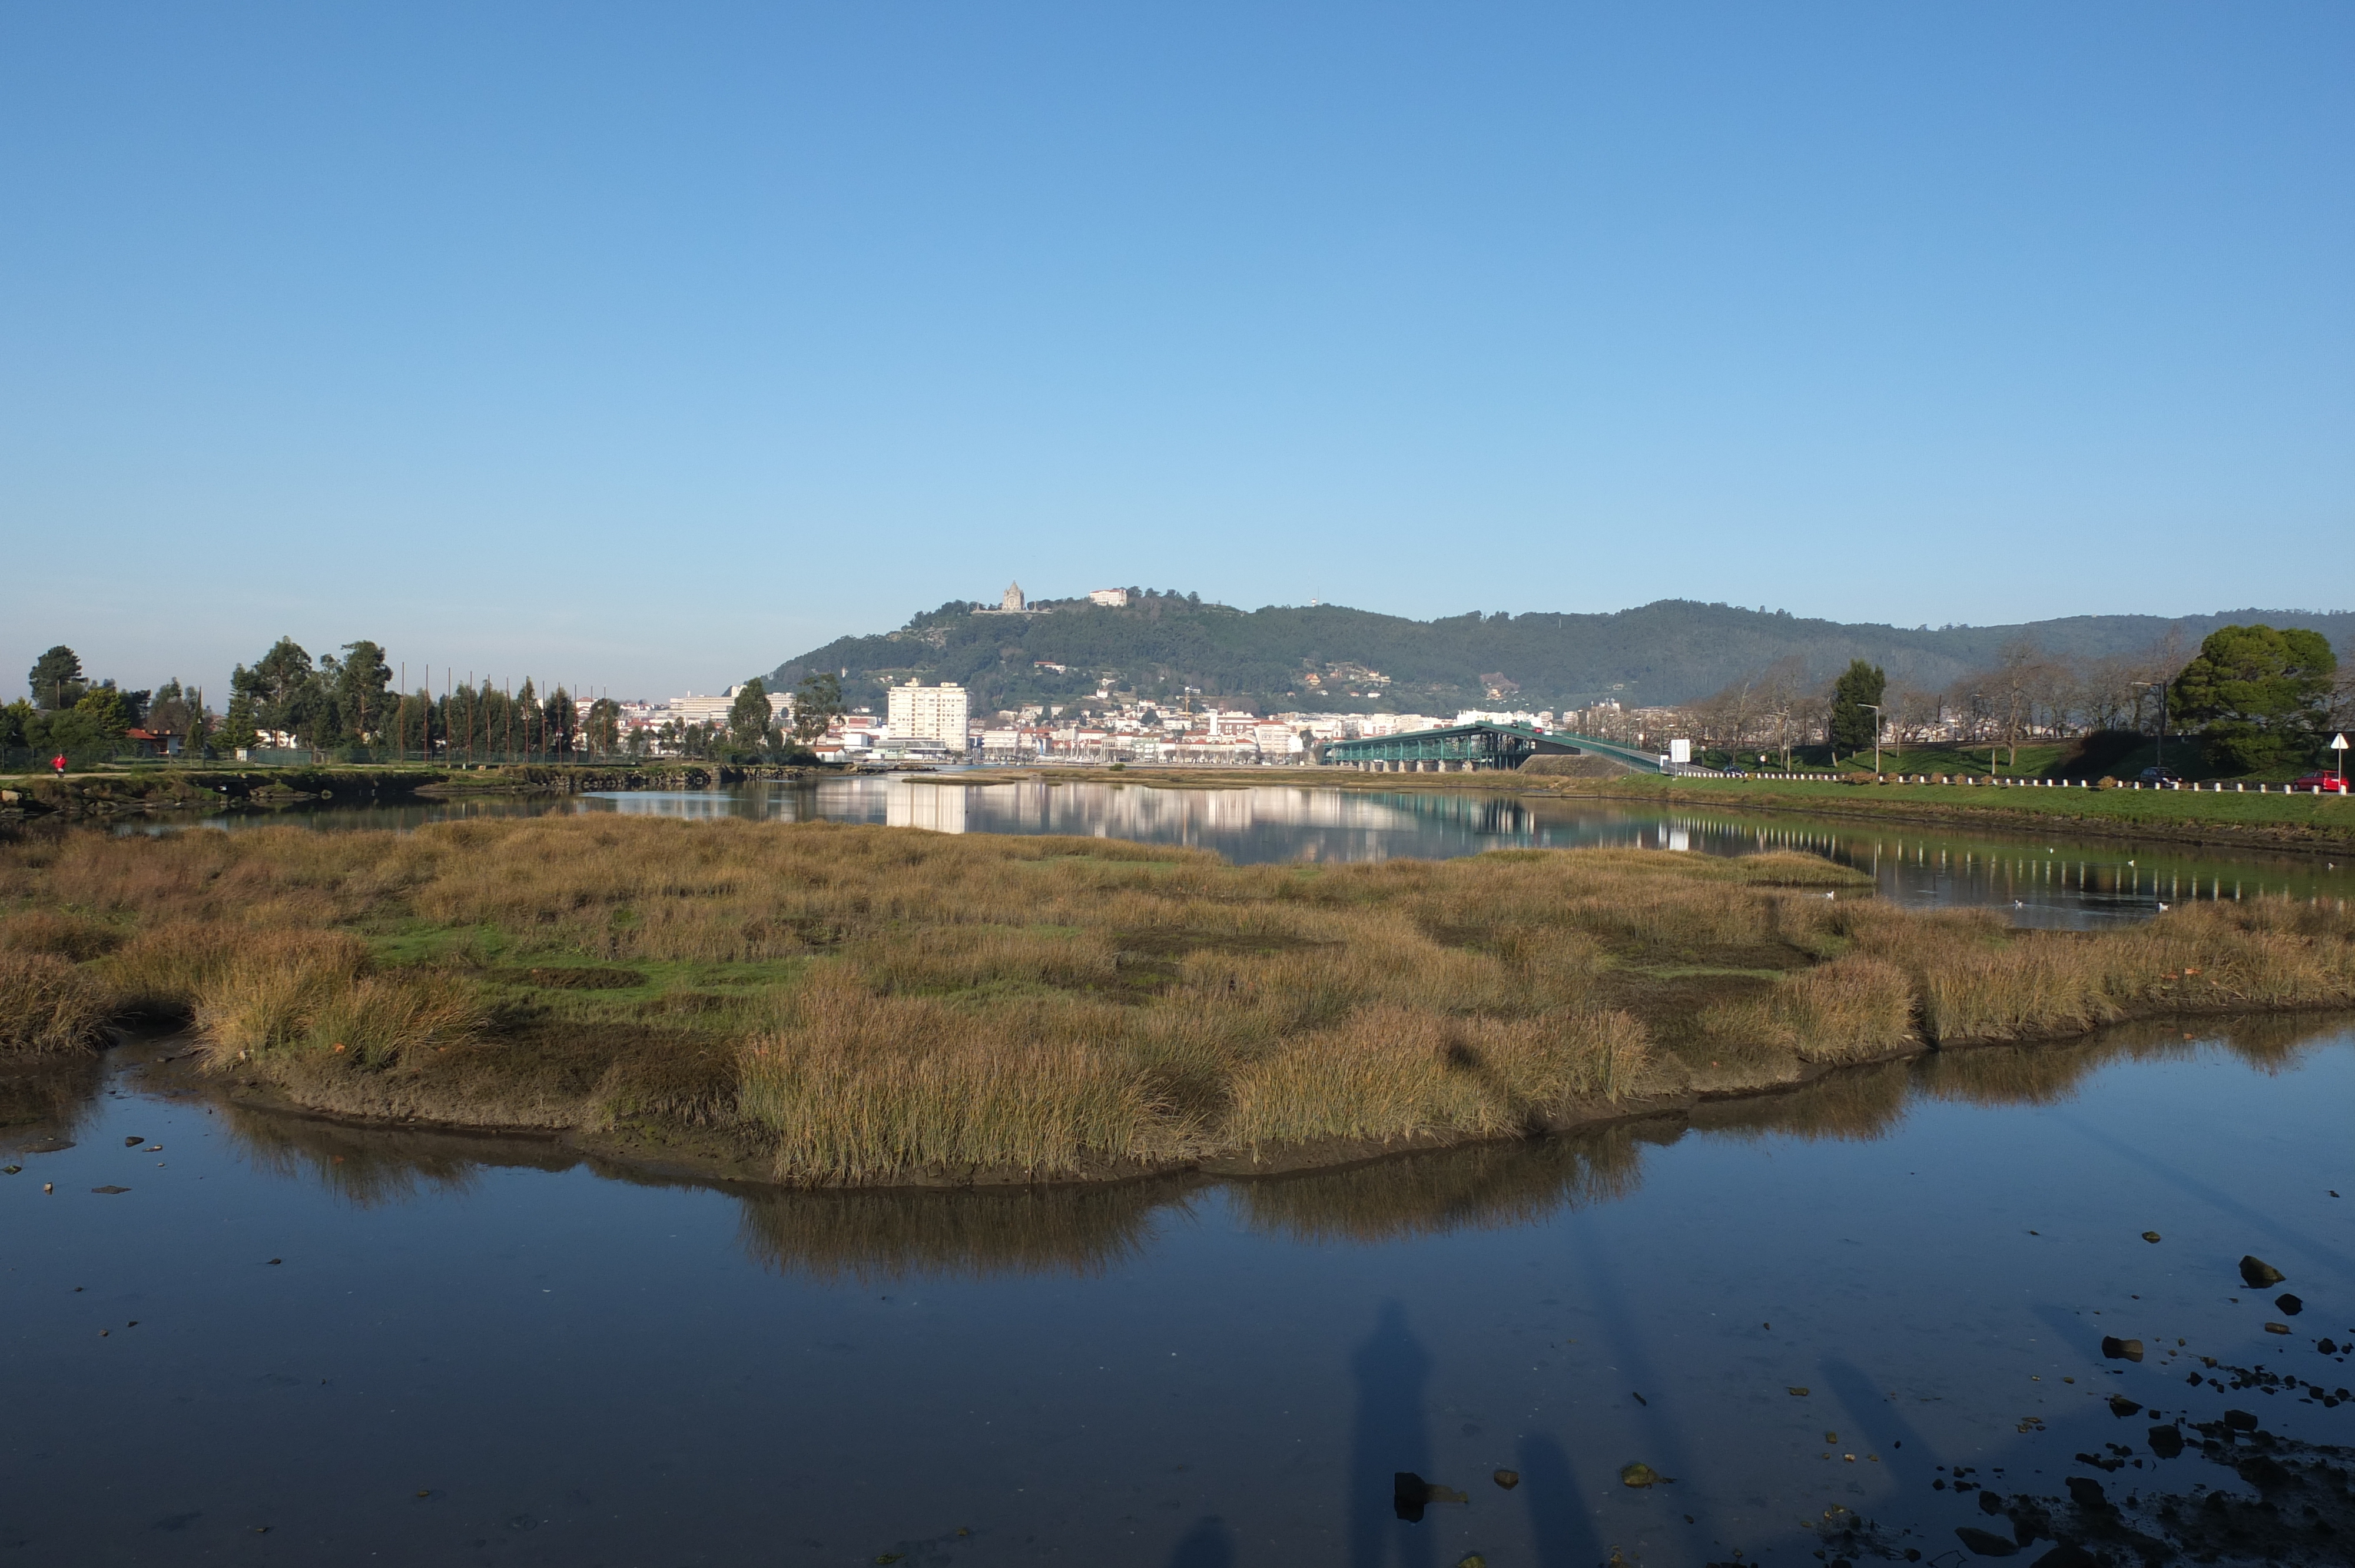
(1640, 1476)
(2067, 1554)
(2278, 1328)
(2087, 1492)
(1984, 1544)
(2119, 1350)
(1410, 1494)
(2259, 1272)
(2148, 1236)
(2290, 1304)
(2240, 1421)
(2165, 1442)
(2122, 1407)
(1508, 1479)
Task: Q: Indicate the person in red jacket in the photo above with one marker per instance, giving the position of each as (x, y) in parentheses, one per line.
(58, 762)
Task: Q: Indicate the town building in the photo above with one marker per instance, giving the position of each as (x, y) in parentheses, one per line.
(929, 713)
(1113, 599)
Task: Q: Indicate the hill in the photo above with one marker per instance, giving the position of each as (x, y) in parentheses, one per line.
(1674, 650)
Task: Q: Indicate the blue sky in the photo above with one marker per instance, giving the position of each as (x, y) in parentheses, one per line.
(642, 347)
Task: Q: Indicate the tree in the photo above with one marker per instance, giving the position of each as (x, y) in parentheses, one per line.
(818, 703)
(2258, 695)
(363, 689)
(55, 679)
(105, 711)
(168, 713)
(748, 717)
(604, 731)
(1858, 691)
(559, 718)
(281, 690)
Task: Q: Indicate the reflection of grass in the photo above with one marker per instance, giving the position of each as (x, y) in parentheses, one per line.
(873, 1236)
(1485, 1186)
(860, 1005)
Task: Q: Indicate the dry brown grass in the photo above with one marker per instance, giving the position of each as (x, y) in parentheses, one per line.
(1853, 1009)
(68, 937)
(49, 1006)
(872, 1005)
(1979, 981)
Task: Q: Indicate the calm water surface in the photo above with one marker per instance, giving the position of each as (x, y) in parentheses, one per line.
(378, 1347)
(2038, 878)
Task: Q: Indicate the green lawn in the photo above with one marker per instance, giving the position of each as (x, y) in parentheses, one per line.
(2163, 812)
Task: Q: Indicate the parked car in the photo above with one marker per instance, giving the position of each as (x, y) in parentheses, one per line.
(2329, 781)
(2161, 776)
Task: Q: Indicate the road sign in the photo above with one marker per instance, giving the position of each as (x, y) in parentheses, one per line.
(2337, 743)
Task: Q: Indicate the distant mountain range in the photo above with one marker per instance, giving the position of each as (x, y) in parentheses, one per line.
(1674, 650)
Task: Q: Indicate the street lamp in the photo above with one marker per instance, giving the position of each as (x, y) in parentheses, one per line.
(1876, 736)
(2161, 687)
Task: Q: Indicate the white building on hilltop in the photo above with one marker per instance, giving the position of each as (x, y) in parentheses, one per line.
(1114, 598)
(1013, 599)
(929, 713)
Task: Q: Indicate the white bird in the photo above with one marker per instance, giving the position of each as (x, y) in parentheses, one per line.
(2162, 908)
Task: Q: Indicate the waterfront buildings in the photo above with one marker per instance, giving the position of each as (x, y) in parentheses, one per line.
(929, 712)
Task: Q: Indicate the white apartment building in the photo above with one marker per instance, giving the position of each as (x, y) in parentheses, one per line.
(1113, 599)
(929, 713)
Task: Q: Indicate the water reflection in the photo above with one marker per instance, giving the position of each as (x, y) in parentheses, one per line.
(2039, 878)
(875, 1236)
(1079, 1231)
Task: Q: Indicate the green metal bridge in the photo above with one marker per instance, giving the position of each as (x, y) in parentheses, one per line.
(1466, 747)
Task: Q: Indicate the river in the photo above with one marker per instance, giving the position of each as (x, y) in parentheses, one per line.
(2038, 878)
(238, 1337)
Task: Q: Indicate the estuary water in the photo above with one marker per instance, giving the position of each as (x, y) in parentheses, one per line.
(2049, 879)
(1835, 1323)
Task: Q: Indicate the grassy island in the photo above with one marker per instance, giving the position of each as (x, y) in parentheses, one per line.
(831, 1005)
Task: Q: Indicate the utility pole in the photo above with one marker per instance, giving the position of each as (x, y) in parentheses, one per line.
(1876, 736)
(2159, 687)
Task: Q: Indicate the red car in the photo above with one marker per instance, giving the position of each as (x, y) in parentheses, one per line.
(2329, 781)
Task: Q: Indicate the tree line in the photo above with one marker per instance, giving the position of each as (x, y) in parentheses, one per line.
(344, 704)
(2253, 698)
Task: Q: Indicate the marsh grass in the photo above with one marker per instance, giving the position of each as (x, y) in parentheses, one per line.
(49, 1006)
(863, 1005)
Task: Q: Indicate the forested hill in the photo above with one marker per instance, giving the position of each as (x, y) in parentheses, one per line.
(1674, 650)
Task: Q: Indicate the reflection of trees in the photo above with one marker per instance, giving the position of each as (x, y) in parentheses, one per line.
(872, 1236)
(1485, 1186)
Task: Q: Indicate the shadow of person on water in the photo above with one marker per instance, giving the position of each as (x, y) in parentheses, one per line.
(1390, 1433)
(1559, 1522)
(1209, 1544)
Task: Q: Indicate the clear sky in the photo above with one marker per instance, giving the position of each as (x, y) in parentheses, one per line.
(642, 345)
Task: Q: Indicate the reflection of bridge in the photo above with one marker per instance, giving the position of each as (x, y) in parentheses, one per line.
(1466, 747)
